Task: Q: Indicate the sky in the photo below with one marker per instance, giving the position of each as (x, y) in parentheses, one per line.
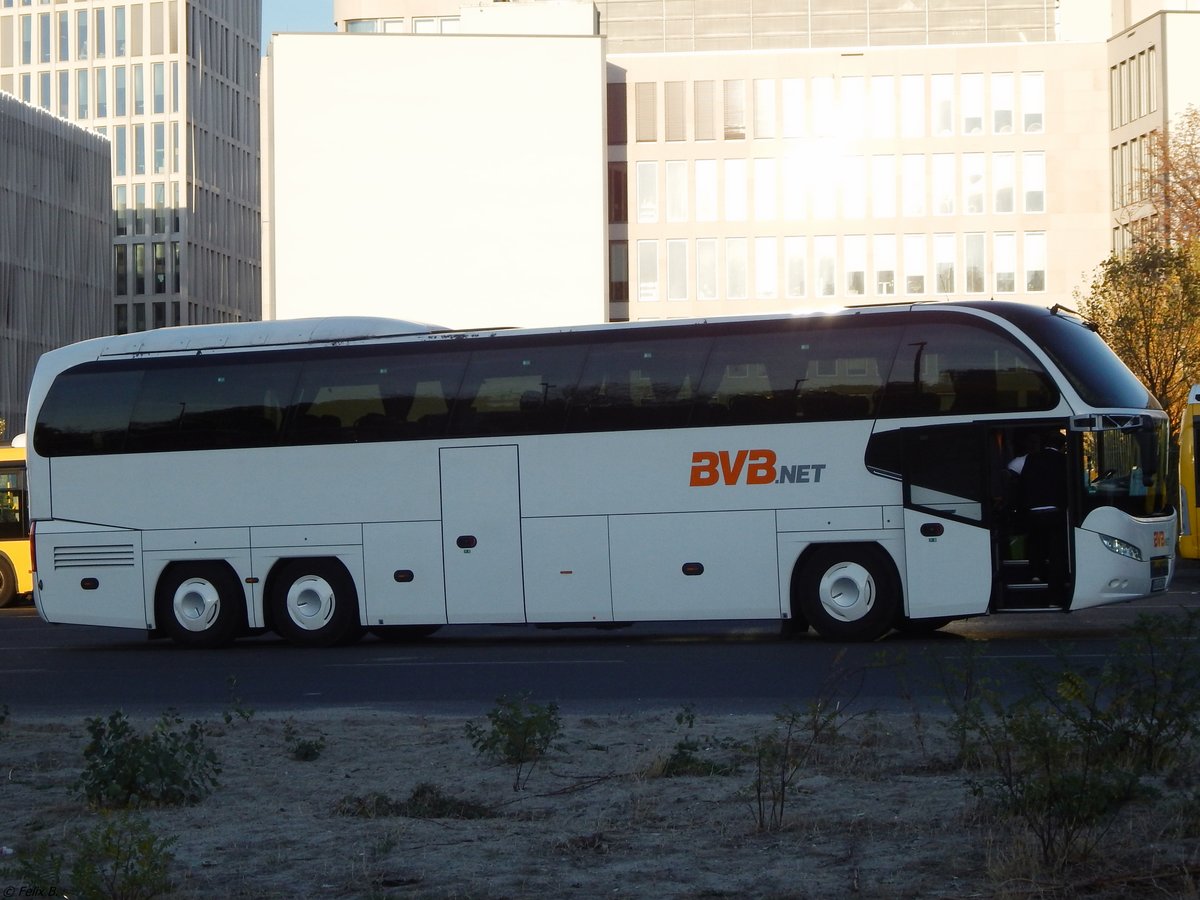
(295, 15)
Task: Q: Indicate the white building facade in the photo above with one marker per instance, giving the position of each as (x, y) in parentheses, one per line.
(174, 85)
(444, 177)
(55, 244)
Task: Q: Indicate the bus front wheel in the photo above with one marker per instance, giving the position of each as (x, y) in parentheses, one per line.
(848, 592)
(8, 582)
(200, 604)
(314, 603)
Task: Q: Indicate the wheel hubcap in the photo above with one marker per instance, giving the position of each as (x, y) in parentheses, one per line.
(847, 591)
(310, 602)
(196, 604)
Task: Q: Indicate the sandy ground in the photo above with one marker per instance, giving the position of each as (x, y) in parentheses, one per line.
(878, 810)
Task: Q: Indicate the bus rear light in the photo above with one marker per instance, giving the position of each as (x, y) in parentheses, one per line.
(1120, 547)
(33, 550)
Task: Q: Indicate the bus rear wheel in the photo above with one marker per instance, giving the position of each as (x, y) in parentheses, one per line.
(848, 592)
(8, 582)
(200, 604)
(314, 603)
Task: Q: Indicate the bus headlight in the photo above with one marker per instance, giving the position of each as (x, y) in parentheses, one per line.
(1120, 547)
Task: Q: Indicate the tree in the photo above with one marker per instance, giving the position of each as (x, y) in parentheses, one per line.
(1173, 174)
(1146, 305)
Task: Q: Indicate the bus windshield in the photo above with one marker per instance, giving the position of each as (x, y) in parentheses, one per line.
(1125, 469)
(1089, 364)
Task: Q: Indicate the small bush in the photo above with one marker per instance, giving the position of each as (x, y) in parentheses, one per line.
(521, 733)
(166, 766)
(304, 749)
(427, 801)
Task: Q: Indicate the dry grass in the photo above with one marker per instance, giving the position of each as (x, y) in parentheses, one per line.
(878, 811)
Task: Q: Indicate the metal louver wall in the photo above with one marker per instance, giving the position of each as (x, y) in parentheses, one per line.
(55, 235)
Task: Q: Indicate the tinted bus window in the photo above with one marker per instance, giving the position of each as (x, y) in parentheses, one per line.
(517, 390)
(87, 411)
(947, 368)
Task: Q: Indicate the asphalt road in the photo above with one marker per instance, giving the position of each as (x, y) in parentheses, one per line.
(715, 668)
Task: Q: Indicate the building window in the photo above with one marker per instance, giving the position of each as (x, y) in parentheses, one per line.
(765, 189)
(121, 271)
(119, 31)
(677, 191)
(794, 189)
(856, 265)
(647, 270)
(824, 109)
(793, 107)
(64, 36)
(912, 105)
(119, 90)
(914, 264)
(82, 94)
(1033, 173)
(1002, 103)
(942, 100)
(825, 251)
(883, 106)
(64, 93)
(1005, 253)
(101, 35)
(706, 190)
(675, 99)
(766, 268)
(81, 34)
(705, 116)
(735, 269)
(973, 183)
(647, 192)
(735, 190)
(973, 252)
(1035, 261)
(972, 103)
(677, 270)
(706, 268)
(943, 184)
(139, 90)
(795, 267)
(735, 110)
(884, 256)
(883, 187)
(159, 88)
(854, 187)
(120, 210)
(160, 275)
(1033, 101)
(101, 93)
(943, 263)
(618, 193)
(1002, 182)
(764, 108)
(912, 181)
(645, 111)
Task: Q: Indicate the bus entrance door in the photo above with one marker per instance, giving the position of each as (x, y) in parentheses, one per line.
(947, 513)
(481, 534)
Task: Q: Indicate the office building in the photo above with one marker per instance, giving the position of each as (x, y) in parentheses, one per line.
(55, 227)
(173, 84)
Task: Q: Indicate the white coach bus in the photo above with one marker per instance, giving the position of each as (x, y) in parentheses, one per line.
(845, 472)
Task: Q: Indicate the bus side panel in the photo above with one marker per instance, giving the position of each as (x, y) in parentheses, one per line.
(403, 573)
(90, 577)
(736, 550)
(567, 569)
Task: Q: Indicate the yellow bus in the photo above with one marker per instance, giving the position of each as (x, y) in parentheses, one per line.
(15, 569)
(1189, 477)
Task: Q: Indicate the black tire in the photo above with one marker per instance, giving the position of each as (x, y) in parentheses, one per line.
(848, 592)
(402, 633)
(8, 582)
(313, 603)
(200, 604)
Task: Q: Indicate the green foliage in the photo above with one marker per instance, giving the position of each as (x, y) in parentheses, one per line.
(1065, 757)
(304, 749)
(520, 733)
(686, 759)
(120, 859)
(236, 709)
(166, 766)
(1146, 305)
(779, 755)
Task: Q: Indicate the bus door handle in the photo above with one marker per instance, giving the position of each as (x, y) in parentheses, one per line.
(466, 542)
(933, 529)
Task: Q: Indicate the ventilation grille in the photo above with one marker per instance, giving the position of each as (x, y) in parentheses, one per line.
(91, 556)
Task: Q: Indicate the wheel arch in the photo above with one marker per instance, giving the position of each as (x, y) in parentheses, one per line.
(886, 552)
(282, 563)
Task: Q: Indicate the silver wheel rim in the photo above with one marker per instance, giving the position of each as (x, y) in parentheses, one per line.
(310, 602)
(847, 591)
(196, 604)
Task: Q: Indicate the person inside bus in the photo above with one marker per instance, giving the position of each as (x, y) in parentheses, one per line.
(1042, 496)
